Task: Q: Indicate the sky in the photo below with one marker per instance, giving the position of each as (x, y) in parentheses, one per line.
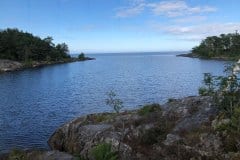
(100, 26)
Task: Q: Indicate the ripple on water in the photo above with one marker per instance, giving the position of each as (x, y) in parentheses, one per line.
(35, 102)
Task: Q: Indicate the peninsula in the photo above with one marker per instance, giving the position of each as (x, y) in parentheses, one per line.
(223, 47)
(20, 50)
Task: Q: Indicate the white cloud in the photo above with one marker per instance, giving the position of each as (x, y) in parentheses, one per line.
(136, 2)
(197, 32)
(190, 19)
(173, 8)
(130, 11)
(185, 21)
(177, 8)
(168, 8)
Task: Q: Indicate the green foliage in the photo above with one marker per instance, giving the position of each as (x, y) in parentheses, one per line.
(103, 117)
(145, 110)
(230, 143)
(81, 56)
(154, 135)
(114, 102)
(79, 157)
(17, 154)
(208, 89)
(225, 45)
(158, 133)
(104, 152)
(28, 63)
(203, 91)
(235, 120)
(22, 46)
(224, 90)
(171, 100)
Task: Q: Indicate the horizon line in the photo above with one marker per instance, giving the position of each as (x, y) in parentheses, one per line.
(127, 52)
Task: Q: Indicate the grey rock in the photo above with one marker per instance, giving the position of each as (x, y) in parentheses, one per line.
(82, 134)
(50, 155)
(8, 65)
(171, 138)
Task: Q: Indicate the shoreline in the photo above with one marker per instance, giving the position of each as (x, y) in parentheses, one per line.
(141, 128)
(187, 123)
(11, 66)
(191, 55)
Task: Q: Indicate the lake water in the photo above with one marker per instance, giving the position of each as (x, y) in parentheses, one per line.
(34, 102)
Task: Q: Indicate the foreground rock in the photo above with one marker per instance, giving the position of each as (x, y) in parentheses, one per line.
(37, 155)
(180, 129)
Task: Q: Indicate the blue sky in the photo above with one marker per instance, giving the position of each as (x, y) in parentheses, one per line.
(122, 25)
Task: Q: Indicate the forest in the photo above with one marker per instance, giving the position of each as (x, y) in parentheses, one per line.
(223, 46)
(22, 46)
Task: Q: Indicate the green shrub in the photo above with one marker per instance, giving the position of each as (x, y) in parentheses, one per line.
(232, 139)
(202, 91)
(150, 137)
(81, 56)
(114, 102)
(103, 152)
(153, 136)
(79, 157)
(102, 117)
(223, 89)
(231, 142)
(234, 123)
(145, 110)
(171, 100)
(17, 154)
(235, 119)
(28, 63)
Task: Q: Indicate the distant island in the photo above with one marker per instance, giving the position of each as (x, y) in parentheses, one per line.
(223, 47)
(20, 49)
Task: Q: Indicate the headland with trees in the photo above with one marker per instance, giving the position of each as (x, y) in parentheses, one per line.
(20, 49)
(222, 47)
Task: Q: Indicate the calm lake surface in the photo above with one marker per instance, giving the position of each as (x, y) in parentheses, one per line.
(35, 102)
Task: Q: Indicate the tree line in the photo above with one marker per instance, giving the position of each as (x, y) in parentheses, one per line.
(225, 45)
(22, 46)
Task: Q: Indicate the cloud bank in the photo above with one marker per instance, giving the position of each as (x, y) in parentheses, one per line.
(180, 19)
(197, 32)
(173, 8)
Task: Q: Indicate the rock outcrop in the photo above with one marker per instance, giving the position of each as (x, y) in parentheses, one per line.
(37, 155)
(179, 129)
(182, 129)
(8, 65)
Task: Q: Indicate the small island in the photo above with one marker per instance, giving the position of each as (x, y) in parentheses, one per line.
(82, 57)
(20, 50)
(223, 47)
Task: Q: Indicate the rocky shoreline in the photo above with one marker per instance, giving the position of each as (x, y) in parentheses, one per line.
(150, 134)
(192, 55)
(9, 65)
(178, 130)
